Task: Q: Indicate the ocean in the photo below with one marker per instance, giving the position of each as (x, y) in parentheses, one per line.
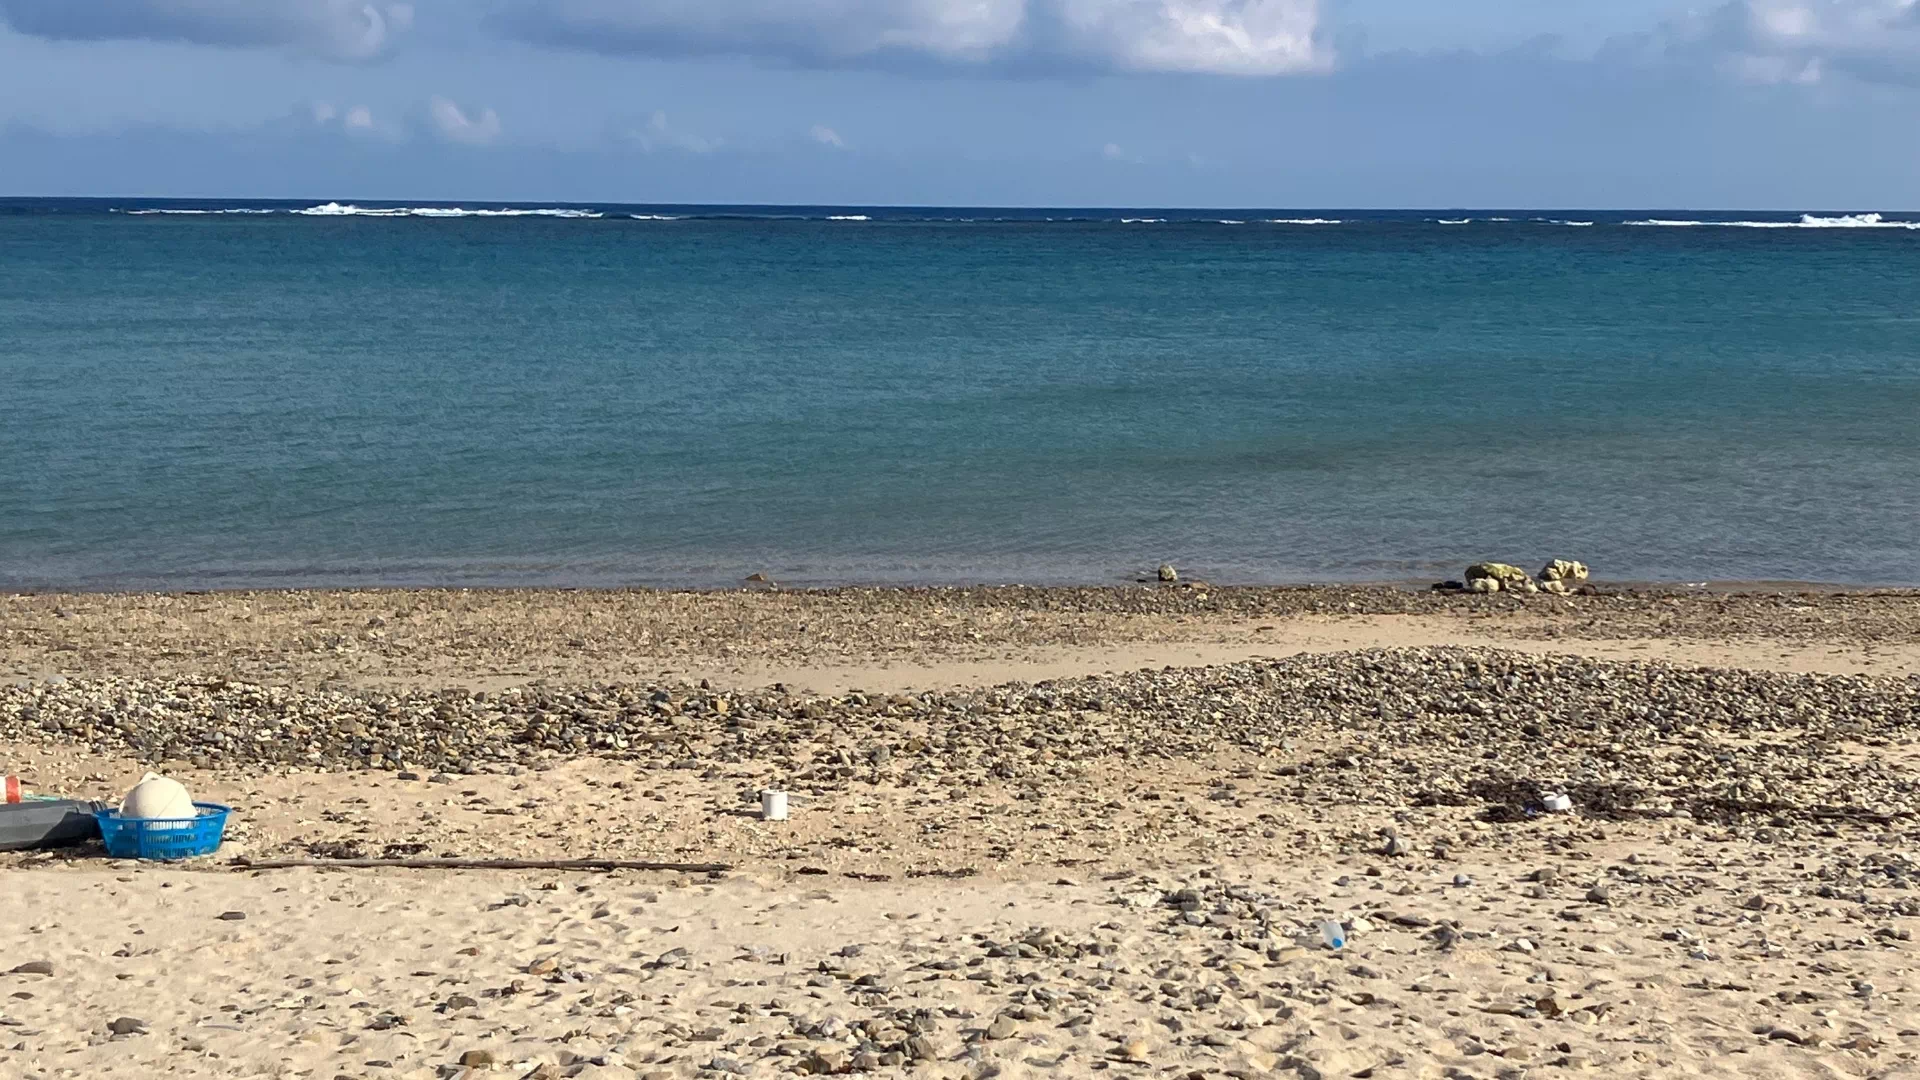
(265, 394)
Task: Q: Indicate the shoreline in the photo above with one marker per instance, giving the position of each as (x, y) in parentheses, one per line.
(904, 638)
(1629, 586)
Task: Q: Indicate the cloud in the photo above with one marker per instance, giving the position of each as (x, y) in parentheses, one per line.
(357, 121)
(1800, 41)
(655, 135)
(455, 125)
(826, 136)
(337, 29)
(1224, 37)
(1220, 37)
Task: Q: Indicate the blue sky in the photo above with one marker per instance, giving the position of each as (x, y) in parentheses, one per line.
(1789, 104)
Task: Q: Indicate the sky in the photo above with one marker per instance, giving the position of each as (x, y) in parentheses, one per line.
(1728, 104)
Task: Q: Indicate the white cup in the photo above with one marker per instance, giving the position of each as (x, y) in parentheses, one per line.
(773, 806)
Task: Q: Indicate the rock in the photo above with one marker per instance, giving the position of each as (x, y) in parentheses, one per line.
(757, 578)
(1168, 573)
(1002, 1027)
(1518, 945)
(127, 1025)
(1395, 846)
(1599, 895)
(824, 1062)
(1556, 587)
(1780, 1034)
(1483, 585)
(921, 1048)
(1546, 875)
(1508, 575)
(231, 916)
(1136, 1051)
(34, 967)
(477, 1059)
(1564, 570)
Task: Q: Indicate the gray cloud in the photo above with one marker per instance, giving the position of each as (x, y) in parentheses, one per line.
(338, 29)
(1800, 41)
(1237, 37)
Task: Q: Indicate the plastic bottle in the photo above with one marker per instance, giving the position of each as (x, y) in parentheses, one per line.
(1333, 934)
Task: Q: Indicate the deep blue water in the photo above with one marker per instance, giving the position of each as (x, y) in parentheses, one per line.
(688, 396)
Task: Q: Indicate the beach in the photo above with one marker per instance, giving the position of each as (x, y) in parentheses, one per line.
(1034, 832)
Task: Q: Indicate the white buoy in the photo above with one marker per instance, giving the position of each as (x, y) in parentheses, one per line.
(773, 806)
(155, 796)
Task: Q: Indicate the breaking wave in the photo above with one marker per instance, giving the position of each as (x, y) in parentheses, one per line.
(1807, 221)
(334, 209)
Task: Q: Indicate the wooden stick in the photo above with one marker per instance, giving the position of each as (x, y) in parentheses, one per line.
(482, 864)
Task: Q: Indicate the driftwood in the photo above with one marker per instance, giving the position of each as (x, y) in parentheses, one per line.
(481, 864)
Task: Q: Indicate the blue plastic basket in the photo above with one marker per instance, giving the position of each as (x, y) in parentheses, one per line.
(164, 838)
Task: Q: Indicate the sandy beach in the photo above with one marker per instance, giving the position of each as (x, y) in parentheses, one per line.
(1035, 832)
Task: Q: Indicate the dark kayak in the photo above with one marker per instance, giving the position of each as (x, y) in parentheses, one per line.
(46, 824)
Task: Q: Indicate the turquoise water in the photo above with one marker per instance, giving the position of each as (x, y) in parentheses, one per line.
(340, 397)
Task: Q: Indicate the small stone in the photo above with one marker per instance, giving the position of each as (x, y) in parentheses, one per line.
(544, 966)
(921, 1048)
(34, 967)
(1546, 875)
(1395, 847)
(1136, 1050)
(1002, 1027)
(1518, 945)
(819, 1062)
(477, 1059)
(1168, 573)
(1781, 1034)
(231, 916)
(1599, 895)
(127, 1025)
(1461, 881)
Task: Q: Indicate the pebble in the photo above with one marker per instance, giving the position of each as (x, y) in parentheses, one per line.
(127, 1025)
(33, 967)
(1609, 726)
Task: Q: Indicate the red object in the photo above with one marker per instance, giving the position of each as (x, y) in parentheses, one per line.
(13, 789)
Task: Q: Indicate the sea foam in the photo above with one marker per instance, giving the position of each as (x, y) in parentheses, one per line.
(1807, 221)
(334, 209)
